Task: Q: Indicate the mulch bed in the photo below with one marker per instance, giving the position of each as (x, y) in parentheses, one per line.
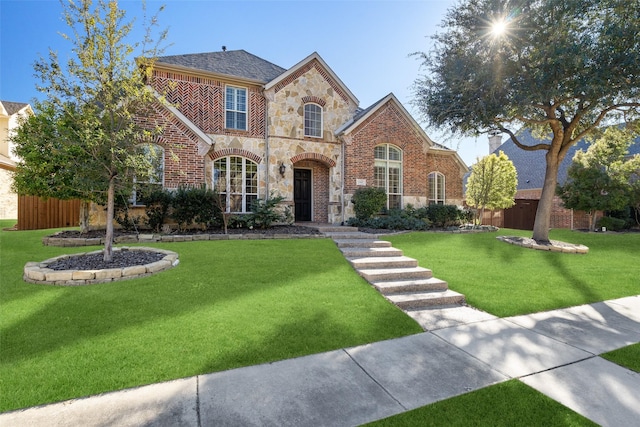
(121, 259)
(277, 229)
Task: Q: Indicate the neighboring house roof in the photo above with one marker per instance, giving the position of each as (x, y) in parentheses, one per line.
(13, 107)
(232, 63)
(531, 164)
(8, 108)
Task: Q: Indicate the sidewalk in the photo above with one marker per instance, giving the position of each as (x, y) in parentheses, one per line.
(554, 352)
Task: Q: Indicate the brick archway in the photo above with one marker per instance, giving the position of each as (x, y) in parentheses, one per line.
(315, 157)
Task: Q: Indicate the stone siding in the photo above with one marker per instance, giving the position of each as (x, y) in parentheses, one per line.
(8, 199)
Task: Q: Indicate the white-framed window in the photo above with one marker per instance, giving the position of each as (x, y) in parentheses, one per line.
(313, 120)
(387, 173)
(235, 178)
(235, 108)
(436, 188)
(153, 176)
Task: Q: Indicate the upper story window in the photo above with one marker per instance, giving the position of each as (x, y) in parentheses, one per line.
(387, 173)
(236, 180)
(436, 188)
(236, 108)
(153, 176)
(313, 120)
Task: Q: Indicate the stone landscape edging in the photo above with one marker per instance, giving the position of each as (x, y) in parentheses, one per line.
(39, 273)
(167, 238)
(552, 246)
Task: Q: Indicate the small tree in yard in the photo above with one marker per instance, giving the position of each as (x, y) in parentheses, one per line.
(560, 68)
(601, 179)
(492, 184)
(91, 110)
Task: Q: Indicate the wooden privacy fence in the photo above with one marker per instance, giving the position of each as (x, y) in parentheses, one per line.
(35, 213)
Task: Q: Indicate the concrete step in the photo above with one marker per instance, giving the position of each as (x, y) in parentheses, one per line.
(392, 274)
(405, 286)
(425, 299)
(336, 229)
(340, 235)
(363, 252)
(362, 243)
(383, 262)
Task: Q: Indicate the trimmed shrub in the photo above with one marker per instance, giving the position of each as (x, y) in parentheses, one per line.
(264, 212)
(612, 224)
(197, 205)
(157, 202)
(443, 215)
(368, 201)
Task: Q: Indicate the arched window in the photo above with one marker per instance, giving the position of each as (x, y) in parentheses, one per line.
(387, 173)
(152, 175)
(313, 120)
(436, 188)
(236, 180)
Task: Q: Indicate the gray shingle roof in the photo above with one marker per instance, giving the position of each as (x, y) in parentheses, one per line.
(13, 107)
(237, 63)
(531, 164)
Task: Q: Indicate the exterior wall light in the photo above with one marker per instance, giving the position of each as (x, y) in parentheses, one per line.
(282, 169)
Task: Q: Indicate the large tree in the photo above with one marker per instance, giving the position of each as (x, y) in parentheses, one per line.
(561, 68)
(94, 101)
(492, 184)
(603, 177)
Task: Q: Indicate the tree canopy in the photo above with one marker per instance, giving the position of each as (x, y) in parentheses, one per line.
(492, 184)
(85, 139)
(602, 178)
(562, 69)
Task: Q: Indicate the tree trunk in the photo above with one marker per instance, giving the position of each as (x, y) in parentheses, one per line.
(108, 240)
(84, 216)
(543, 213)
(592, 225)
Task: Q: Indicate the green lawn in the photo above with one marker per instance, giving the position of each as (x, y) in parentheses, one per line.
(508, 404)
(628, 357)
(507, 280)
(227, 304)
(237, 303)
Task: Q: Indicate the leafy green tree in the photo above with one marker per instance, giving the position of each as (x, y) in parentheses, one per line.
(47, 159)
(601, 178)
(492, 184)
(93, 102)
(560, 68)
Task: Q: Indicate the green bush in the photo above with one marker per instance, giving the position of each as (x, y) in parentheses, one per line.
(368, 201)
(197, 205)
(264, 212)
(157, 201)
(612, 224)
(443, 215)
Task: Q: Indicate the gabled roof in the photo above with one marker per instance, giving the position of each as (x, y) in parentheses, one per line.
(531, 165)
(313, 57)
(231, 63)
(362, 115)
(13, 107)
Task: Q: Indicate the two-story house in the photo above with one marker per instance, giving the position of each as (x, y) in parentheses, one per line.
(10, 116)
(251, 129)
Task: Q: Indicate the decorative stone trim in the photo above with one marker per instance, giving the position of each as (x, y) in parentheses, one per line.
(39, 273)
(552, 246)
(157, 238)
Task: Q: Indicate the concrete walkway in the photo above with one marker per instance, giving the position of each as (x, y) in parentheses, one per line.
(554, 352)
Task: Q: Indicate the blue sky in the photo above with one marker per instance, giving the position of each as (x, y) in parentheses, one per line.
(366, 43)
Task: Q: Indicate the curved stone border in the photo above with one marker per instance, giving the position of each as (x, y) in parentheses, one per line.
(158, 238)
(553, 246)
(38, 272)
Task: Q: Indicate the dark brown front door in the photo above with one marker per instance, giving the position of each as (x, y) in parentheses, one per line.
(302, 194)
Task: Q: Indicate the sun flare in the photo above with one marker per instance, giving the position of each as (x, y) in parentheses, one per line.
(498, 28)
